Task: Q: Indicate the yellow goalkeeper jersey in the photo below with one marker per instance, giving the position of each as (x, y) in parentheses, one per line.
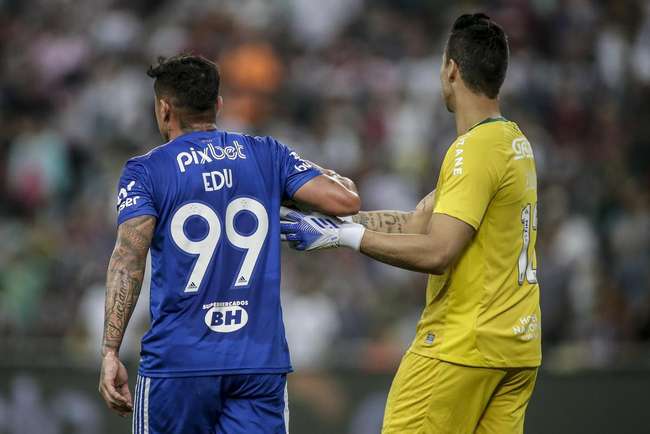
(484, 311)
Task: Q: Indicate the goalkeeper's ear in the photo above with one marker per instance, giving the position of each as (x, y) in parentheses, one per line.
(327, 195)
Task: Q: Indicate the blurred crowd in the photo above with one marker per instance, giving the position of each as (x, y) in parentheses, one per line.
(352, 85)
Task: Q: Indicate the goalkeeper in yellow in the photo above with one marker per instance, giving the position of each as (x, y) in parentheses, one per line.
(473, 363)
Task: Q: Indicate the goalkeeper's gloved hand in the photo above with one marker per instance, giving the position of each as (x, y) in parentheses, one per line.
(314, 231)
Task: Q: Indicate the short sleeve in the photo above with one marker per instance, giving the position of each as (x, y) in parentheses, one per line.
(295, 172)
(469, 180)
(134, 193)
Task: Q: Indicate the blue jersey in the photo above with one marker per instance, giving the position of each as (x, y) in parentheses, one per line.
(215, 254)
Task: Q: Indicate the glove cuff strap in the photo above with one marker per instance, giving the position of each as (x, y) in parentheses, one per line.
(350, 235)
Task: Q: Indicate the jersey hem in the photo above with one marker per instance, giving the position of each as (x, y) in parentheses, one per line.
(486, 363)
(212, 372)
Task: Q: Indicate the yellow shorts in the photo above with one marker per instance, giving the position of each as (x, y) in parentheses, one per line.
(436, 397)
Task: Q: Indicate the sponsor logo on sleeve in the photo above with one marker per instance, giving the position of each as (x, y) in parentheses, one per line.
(123, 199)
(522, 149)
(301, 165)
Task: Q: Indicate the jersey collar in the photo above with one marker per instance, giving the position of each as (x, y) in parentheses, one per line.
(489, 120)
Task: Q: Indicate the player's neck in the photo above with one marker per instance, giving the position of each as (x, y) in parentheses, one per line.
(473, 110)
(190, 128)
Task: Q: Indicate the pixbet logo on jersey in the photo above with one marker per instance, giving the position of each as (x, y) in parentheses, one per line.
(226, 317)
(209, 154)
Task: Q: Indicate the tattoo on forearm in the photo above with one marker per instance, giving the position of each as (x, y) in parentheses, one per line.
(399, 222)
(124, 277)
(391, 222)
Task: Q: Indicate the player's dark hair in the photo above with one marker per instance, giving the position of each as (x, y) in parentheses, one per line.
(479, 47)
(192, 82)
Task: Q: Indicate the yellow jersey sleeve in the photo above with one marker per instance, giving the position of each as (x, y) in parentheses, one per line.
(469, 179)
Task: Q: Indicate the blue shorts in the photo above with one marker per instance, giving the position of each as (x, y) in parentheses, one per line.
(224, 404)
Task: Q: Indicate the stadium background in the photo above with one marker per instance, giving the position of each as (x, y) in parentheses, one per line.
(353, 85)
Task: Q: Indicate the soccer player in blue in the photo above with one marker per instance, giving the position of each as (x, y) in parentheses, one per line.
(206, 204)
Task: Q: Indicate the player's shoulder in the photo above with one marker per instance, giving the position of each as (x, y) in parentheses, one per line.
(248, 140)
(218, 145)
(268, 145)
(154, 163)
(487, 144)
(490, 138)
(264, 142)
(145, 160)
(492, 132)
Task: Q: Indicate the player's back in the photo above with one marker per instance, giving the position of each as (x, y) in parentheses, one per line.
(485, 310)
(215, 253)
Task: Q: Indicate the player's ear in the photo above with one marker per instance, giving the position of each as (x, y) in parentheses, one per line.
(452, 71)
(219, 105)
(165, 110)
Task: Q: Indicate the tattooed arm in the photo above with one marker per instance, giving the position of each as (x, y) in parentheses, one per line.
(399, 222)
(123, 283)
(124, 278)
(390, 222)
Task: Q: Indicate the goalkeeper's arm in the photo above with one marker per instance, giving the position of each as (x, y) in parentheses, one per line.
(399, 222)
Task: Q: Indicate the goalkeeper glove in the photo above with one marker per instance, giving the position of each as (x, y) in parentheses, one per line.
(315, 231)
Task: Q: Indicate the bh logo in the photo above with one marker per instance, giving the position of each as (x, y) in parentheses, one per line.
(226, 319)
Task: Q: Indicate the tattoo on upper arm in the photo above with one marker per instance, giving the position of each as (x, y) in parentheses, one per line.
(124, 276)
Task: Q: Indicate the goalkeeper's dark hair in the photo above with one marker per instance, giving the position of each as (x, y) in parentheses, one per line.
(479, 46)
(191, 82)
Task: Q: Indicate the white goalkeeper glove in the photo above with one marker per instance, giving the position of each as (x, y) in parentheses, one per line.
(315, 231)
